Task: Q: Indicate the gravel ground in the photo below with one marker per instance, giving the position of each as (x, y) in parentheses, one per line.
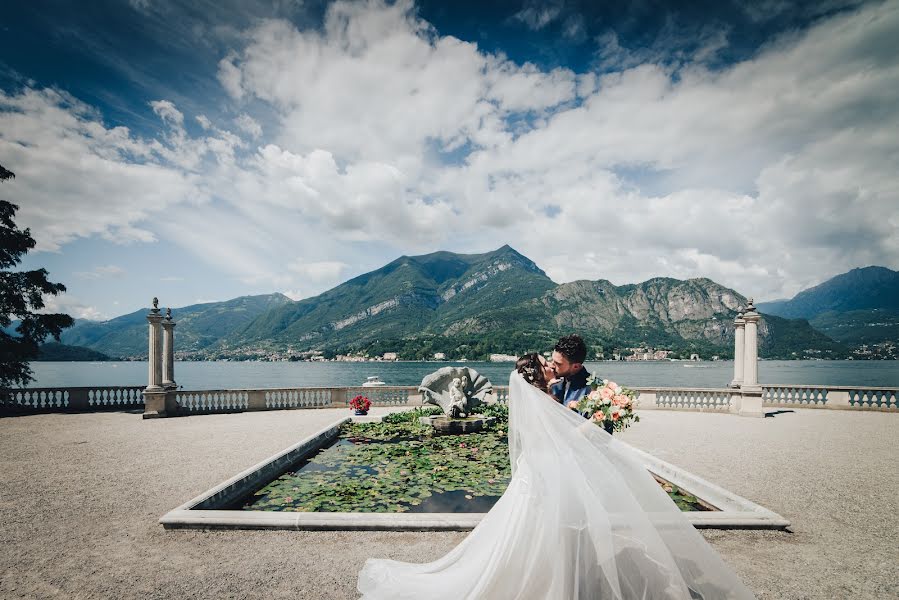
(80, 496)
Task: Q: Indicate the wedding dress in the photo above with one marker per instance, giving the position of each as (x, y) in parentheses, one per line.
(581, 519)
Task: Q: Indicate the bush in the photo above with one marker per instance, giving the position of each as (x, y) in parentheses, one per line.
(411, 416)
(500, 411)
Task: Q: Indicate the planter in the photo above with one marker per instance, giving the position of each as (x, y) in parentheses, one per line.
(360, 412)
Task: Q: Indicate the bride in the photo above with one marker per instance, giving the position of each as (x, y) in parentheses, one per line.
(581, 518)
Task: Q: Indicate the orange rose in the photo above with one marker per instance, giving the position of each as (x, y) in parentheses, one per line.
(611, 384)
(606, 393)
(615, 416)
(620, 400)
(598, 416)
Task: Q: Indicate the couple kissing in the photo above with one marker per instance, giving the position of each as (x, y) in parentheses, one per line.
(565, 378)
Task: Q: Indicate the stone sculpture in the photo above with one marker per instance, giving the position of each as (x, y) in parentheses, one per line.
(459, 391)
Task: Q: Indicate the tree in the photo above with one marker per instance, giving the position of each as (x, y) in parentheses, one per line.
(21, 294)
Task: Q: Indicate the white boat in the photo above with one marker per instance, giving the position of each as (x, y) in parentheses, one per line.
(373, 381)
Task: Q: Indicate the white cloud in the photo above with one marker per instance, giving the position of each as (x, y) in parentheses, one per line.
(102, 272)
(72, 306)
(140, 5)
(248, 125)
(326, 270)
(768, 175)
(204, 122)
(230, 77)
(77, 178)
(537, 15)
(167, 111)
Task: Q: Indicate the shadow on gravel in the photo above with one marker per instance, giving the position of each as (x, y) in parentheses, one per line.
(774, 413)
(13, 412)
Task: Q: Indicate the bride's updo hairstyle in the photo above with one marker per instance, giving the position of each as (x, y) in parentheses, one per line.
(530, 367)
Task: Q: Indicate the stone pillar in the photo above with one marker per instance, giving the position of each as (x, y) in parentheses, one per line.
(168, 352)
(751, 404)
(154, 394)
(155, 354)
(739, 343)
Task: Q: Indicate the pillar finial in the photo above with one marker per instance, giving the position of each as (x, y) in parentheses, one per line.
(155, 309)
(168, 314)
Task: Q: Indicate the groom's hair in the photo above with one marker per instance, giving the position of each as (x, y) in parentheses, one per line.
(573, 348)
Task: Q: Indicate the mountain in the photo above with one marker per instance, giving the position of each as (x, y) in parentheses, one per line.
(858, 308)
(198, 326)
(500, 301)
(434, 293)
(868, 288)
(464, 305)
(860, 327)
(60, 352)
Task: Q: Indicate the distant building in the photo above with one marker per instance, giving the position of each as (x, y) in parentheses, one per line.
(694, 357)
(349, 358)
(503, 358)
(439, 356)
(390, 356)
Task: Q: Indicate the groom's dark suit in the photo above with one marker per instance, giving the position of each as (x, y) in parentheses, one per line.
(571, 388)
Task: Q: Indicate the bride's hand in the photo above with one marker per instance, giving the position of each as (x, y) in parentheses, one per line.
(573, 405)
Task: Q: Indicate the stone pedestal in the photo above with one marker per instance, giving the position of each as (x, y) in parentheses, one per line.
(444, 424)
(154, 404)
(751, 402)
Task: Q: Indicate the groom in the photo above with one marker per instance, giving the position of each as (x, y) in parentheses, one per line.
(570, 384)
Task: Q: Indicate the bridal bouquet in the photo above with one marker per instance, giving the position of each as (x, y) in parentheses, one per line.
(609, 405)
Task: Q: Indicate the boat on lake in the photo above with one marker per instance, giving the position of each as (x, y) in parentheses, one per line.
(373, 381)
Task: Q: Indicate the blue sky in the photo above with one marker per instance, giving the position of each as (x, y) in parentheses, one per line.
(200, 151)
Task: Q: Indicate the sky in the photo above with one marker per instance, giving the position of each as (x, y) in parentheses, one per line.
(203, 150)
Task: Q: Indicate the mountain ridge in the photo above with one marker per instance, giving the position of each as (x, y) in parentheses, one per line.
(859, 308)
(863, 288)
(463, 305)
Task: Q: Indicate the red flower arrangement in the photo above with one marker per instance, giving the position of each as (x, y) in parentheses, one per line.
(360, 403)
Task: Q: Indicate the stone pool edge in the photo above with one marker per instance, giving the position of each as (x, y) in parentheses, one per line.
(734, 512)
(199, 513)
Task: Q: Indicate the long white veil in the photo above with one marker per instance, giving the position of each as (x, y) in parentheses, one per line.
(581, 518)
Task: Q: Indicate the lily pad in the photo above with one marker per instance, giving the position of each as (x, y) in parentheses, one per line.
(402, 466)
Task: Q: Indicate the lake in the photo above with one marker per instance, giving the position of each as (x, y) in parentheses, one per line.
(230, 375)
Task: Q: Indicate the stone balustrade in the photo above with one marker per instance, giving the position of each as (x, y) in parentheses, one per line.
(188, 402)
(74, 399)
(701, 399)
(789, 396)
